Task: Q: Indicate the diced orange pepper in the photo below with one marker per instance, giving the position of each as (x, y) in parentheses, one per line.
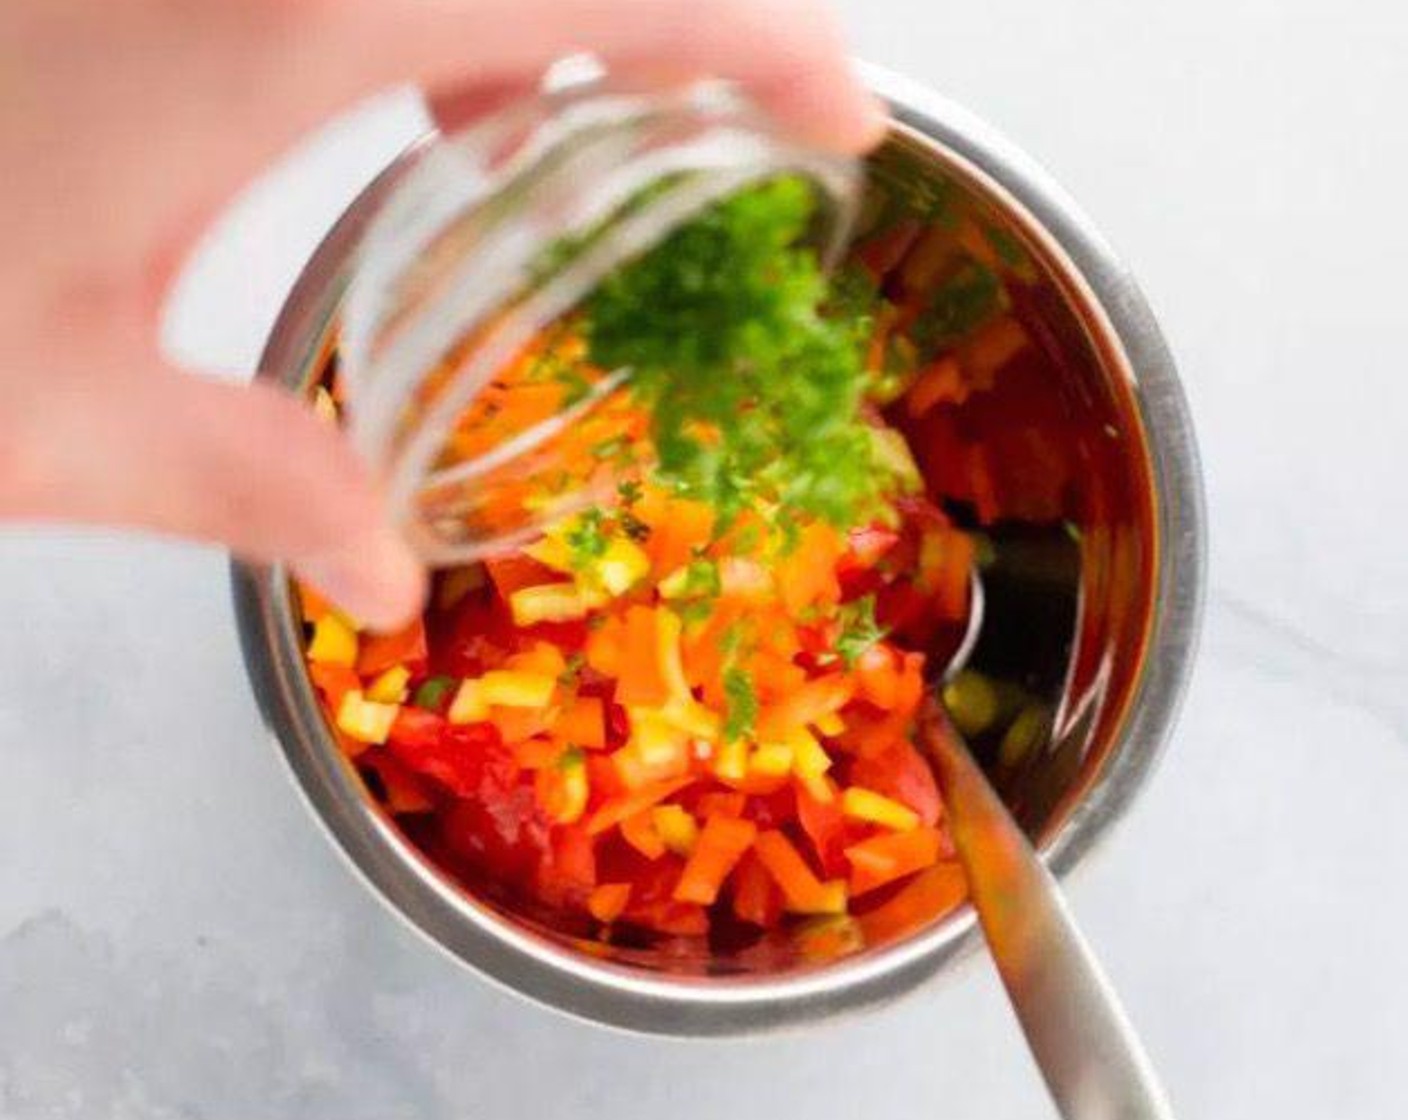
(639, 832)
(677, 527)
(717, 803)
(518, 724)
(607, 902)
(883, 859)
(543, 658)
(614, 811)
(932, 893)
(640, 677)
(805, 705)
(806, 576)
(534, 754)
(756, 898)
(877, 674)
(312, 603)
(380, 652)
(334, 682)
(582, 723)
(720, 846)
(605, 646)
(802, 891)
(775, 676)
(561, 787)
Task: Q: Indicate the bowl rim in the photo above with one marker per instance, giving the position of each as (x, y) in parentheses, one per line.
(546, 971)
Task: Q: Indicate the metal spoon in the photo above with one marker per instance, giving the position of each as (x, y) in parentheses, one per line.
(1084, 1045)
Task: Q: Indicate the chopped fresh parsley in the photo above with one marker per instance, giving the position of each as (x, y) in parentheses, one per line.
(571, 670)
(753, 391)
(742, 704)
(587, 538)
(859, 630)
(433, 692)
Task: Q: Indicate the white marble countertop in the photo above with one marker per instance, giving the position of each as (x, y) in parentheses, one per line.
(177, 939)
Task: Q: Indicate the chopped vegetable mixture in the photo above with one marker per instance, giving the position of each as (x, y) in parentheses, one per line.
(688, 708)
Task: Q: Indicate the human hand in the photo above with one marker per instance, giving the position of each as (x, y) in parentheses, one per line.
(124, 126)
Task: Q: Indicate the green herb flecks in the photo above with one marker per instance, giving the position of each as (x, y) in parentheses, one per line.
(432, 693)
(742, 704)
(587, 538)
(754, 393)
(859, 630)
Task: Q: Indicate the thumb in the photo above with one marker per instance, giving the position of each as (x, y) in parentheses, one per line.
(250, 467)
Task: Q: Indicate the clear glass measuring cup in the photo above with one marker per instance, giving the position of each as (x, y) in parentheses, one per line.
(463, 376)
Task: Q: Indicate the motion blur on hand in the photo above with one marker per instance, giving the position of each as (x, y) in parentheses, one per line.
(125, 126)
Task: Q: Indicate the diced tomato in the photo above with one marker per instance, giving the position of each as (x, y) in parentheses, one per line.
(417, 729)
(567, 876)
(582, 723)
(901, 773)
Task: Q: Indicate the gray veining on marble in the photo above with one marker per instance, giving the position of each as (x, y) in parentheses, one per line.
(176, 940)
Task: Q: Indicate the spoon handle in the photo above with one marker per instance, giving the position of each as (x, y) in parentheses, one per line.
(1089, 1055)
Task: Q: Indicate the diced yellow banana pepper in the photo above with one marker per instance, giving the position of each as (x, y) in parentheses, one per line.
(809, 758)
(674, 584)
(365, 720)
(621, 566)
(390, 686)
(548, 602)
(867, 805)
(771, 760)
(334, 641)
(469, 705)
(552, 551)
(731, 760)
(656, 740)
(668, 628)
(676, 828)
(512, 688)
(572, 768)
(692, 717)
(818, 786)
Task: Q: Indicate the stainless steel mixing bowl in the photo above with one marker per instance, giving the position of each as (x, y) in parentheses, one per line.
(1122, 682)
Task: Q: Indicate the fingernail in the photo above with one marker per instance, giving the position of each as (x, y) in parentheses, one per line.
(380, 583)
